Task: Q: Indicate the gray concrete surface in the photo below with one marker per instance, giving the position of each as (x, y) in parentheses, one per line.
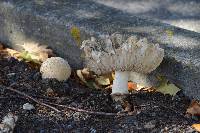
(49, 22)
(181, 13)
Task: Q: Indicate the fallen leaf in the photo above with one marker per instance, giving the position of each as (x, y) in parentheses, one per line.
(12, 52)
(1, 46)
(111, 76)
(87, 78)
(76, 34)
(80, 75)
(36, 48)
(196, 127)
(92, 85)
(87, 74)
(194, 108)
(101, 80)
(170, 33)
(28, 57)
(168, 88)
(139, 87)
(132, 86)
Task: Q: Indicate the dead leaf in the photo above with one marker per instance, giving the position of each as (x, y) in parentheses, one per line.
(168, 88)
(12, 53)
(132, 86)
(111, 76)
(1, 46)
(80, 75)
(139, 87)
(91, 80)
(194, 108)
(87, 78)
(76, 34)
(36, 48)
(87, 74)
(196, 127)
(170, 33)
(101, 80)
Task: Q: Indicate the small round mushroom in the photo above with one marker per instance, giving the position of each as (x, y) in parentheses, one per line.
(55, 67)
(123, 55)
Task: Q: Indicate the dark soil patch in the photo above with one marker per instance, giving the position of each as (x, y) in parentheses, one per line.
(155, 112)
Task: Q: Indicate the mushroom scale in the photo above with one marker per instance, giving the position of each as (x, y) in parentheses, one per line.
(122, 55)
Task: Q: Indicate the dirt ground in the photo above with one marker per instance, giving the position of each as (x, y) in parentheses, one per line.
(153, 112)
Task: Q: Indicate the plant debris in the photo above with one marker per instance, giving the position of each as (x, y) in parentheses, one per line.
(166, 87)
(28, 106)
(194, 108)
(196, 127)
(71, 106)
(8, 123)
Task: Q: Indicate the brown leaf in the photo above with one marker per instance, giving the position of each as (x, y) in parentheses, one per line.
(12, 53)
(194, 108)
(101, 80)
(132, 86)
(87, 74)
(1, 46)
(80, 75)
(196, 127)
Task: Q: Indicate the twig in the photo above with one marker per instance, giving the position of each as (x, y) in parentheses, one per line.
(29, 97)
(89, 112)
(64, 106)
(13, 97)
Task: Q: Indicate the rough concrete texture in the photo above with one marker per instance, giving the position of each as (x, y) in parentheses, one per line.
(181, 13)
(49, 22)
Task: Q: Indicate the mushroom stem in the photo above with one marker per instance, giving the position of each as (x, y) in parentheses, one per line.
(120, 83)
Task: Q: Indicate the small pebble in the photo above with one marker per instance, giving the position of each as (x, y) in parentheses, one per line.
(11, 74)
(149, 125)
(28, 106)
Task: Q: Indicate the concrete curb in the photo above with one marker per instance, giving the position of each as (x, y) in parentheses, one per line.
(57, 24)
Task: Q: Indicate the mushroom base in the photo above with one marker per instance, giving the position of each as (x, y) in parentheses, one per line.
(118, 97)
(120, 84)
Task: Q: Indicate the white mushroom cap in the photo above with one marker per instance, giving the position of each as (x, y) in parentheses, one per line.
(106, 54)
(55, 67)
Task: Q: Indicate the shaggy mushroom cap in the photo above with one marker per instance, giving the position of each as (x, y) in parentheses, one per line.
(120, 53)
(123, 55)
(55, 67)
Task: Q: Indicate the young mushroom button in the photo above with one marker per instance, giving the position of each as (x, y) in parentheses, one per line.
(122, 55)
(55, 67)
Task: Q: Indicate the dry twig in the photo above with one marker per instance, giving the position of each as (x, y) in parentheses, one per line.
(89, 112)
(29, 97)
(63, 106)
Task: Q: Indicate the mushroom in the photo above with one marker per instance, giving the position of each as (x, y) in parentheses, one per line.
(122, 55)
(55, 67)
